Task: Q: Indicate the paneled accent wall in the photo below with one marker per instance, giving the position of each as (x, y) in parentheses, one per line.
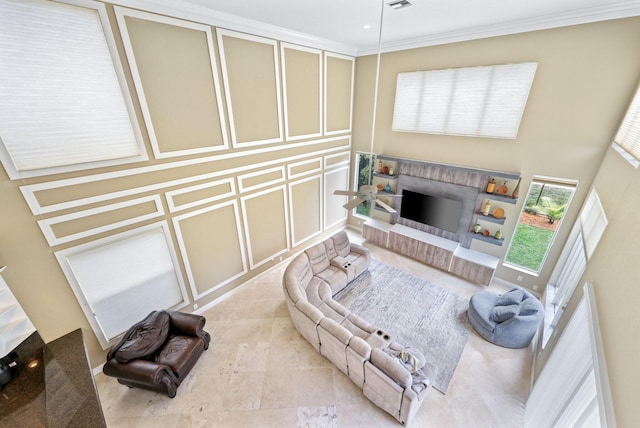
(247, 138)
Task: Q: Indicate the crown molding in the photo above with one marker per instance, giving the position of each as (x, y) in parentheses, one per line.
(583, 16)
(203, 15)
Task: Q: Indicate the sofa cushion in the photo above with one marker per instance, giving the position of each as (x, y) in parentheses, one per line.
(318, 259)
(335, 277)
(146, 338)
(318, 291)
(341, 243)
(331, 251)
(504, 313)
(392, 367)
(297, 275)
(511, 297)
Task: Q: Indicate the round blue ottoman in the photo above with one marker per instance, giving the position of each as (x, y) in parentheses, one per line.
(510, 319)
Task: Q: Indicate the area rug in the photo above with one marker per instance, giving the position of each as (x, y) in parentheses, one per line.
(416, 314)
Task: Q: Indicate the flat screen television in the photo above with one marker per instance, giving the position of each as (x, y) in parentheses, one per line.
(436, 211)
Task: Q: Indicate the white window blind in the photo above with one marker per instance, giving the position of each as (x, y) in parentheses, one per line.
(62, 102)
(594, 221)
(119, 280)
(628, 135)
(486, 101)
(572, 389)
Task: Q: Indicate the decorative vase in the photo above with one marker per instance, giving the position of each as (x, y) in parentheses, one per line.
(498, 234)
(486, 208)
(477, 228)
(491, 185)
(516, 191)
(387, 188)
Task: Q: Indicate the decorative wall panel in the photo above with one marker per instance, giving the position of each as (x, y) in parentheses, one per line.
(69, 227)
(338, 93)
(251, 77)
(260, 179)
(211, 245)
(299, 169)
(334, 212)
(174, 70)
(305, 205)
(200, 194)
(266, 225)
(302, 78)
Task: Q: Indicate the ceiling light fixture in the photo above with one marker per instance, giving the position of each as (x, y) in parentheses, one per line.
(399, 4)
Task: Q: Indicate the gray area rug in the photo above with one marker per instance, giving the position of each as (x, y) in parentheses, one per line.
(416, 313)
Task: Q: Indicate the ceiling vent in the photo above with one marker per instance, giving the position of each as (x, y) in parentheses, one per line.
(399, 4)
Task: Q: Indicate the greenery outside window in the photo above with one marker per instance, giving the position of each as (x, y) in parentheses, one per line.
(542, 213)
(364, 163)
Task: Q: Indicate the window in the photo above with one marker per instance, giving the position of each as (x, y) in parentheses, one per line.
(118, 280)
(475, 101)
(578, 249)
(64, 102)
(542, 213)
(627, 140)
(364, 162)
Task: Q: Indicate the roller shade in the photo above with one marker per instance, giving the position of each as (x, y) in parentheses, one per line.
(485, 101)
(61, 101)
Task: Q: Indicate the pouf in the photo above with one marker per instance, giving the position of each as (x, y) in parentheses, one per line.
(510, 319)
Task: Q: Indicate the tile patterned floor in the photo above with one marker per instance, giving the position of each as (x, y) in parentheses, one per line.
(260, 373)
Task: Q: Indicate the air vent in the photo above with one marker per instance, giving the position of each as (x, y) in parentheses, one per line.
(399, 4)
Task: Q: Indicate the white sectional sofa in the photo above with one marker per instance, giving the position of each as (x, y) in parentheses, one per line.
(393, 377)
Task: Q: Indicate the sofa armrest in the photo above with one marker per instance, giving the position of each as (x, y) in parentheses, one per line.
(310, 311)
(140, 371)
(189, 325)
(391, 367)
(360, 346)
(336, 330)
(357, 248)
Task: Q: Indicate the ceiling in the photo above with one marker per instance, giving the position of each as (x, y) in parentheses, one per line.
(426, 22)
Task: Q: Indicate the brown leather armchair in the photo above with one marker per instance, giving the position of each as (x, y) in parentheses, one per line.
(158, 352)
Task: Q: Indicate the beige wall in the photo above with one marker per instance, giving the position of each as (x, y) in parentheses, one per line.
(233, 189)
(585, 79)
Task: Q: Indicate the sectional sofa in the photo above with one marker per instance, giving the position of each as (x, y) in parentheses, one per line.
(394, 377)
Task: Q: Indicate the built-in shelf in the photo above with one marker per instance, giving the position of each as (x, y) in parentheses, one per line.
(387, 176)
(500, 198)
(492, 173)
(491, 218)
(490, 239)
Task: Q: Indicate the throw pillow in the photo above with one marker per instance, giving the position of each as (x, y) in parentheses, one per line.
(511, 297)
(529, 307)
(504, 313)
(146, 338)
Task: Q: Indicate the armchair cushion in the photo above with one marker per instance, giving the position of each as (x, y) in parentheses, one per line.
(145, 338)
(511, 297)
(178, 351)
(503, 313)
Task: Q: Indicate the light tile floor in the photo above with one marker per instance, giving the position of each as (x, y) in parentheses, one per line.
(258, 372)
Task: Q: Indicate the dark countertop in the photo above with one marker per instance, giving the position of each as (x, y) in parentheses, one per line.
(53, 386)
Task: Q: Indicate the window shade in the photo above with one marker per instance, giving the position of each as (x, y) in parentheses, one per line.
(483, 101)
(61, 102)
(593, 221)
(120, 279)
(628, 136)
